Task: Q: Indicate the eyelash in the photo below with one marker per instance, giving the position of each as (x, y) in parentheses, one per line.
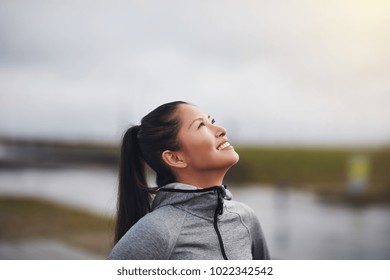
(202, 123)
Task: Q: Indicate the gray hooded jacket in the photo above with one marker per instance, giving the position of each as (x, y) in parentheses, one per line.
(188, 223)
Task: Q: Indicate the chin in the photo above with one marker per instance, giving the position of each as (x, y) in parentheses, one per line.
(237, 158)
(234, 159)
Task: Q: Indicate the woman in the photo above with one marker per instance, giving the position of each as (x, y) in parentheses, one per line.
(191, 215)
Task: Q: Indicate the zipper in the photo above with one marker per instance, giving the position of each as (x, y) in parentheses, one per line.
(219, 211)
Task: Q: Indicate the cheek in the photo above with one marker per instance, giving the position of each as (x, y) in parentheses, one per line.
(199, 142)
(199, 149)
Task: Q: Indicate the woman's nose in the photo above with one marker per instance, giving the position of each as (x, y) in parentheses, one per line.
(221, 131)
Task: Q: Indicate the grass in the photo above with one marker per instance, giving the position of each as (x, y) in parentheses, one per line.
(28, 218)
(324, 169)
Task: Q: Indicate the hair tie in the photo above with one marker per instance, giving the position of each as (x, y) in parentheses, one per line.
(136, 129)
(134, 133)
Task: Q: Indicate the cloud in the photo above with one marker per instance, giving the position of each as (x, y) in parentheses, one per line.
(290, 71)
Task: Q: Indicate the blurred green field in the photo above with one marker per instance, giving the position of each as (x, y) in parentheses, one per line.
(321, 169)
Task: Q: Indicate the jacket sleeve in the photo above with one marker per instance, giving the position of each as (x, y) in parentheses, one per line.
(146, 240)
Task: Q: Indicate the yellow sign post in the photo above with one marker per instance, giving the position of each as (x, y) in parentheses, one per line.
(358, 174)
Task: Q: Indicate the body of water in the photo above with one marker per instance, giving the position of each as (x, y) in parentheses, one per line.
(296, 224)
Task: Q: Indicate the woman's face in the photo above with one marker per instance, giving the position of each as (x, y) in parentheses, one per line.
(204, 144)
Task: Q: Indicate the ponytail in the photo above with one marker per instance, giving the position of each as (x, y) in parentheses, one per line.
(142, 146)
(133, 196)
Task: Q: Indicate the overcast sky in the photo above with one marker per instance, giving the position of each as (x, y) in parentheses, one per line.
(271, 72)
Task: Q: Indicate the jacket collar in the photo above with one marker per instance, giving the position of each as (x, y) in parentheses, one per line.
(201, 202)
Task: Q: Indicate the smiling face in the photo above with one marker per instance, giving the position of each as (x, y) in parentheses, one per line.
(204, 145)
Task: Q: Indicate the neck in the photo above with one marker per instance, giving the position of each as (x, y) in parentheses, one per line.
(202, 180)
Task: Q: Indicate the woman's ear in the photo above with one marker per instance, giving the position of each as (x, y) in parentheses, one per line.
(174, 159)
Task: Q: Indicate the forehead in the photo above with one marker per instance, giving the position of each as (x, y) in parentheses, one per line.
(188, 113)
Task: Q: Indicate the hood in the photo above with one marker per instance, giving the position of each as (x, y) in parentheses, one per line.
(202, 202)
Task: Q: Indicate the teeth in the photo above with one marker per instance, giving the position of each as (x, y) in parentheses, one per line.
(223, 146)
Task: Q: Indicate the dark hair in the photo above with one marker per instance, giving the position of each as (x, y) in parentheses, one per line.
(144, 144)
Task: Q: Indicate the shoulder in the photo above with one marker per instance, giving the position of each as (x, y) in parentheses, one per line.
(247, 215)
(152, 237)
(162, 222)
(246, 212)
